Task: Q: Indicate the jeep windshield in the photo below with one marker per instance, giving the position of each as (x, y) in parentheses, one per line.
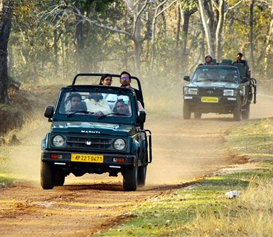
(94, 104)
(216, 74)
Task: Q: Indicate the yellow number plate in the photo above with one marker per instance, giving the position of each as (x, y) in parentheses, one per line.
(87, 158)
(209, 99)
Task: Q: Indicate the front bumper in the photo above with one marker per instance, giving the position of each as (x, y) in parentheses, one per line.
(223, 106)
(63, 159)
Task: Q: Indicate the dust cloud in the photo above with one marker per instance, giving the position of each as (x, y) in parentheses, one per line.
(183, 150)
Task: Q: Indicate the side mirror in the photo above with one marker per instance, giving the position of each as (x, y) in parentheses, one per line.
(186, 78)
(141, 117)
(49, 112)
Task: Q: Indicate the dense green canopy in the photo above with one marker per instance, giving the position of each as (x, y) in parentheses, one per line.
(55, 39)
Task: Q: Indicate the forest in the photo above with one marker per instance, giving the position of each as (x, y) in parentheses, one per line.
(50, 40)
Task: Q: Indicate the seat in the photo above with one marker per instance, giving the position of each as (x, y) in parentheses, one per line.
(242, 69)
(226, 62)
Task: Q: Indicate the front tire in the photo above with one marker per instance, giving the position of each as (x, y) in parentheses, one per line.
(197, 115)
(59, 178)
(47, 175)
(186, 111)
(246, 111)
(142, 171)
(237, 113)
(130, 179)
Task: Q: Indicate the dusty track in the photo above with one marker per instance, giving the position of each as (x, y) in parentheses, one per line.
(182, 151)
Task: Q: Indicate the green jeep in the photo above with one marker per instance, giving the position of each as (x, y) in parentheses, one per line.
(223, 88)
(103, 133)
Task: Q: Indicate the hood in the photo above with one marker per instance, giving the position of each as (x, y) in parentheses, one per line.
(216, 84)
(93, 128)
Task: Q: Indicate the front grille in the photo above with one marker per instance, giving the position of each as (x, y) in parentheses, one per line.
(89, 143)
(213, 92)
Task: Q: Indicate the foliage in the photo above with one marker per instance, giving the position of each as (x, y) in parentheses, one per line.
(49, 40)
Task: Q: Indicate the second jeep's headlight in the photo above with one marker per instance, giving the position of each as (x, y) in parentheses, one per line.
(230, 93)
(190, 91)
(119, 144)
(58, 141)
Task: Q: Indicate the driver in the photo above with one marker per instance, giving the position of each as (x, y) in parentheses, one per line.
(204, 76)
(121, 107)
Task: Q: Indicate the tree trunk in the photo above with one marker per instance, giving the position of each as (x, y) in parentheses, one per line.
(206, 28)
(153, 42)
(5, 26)
(219, 29)
(251, 19)
(137, 39)
(55, 47)
(125, 43)
(185, 29)
(268, 44)
(178, 25)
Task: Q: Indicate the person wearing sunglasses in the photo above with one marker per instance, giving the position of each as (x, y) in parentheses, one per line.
(125, 81)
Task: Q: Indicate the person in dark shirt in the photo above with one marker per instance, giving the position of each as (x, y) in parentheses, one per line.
(125, 81)
(76, 103)
(240, 60)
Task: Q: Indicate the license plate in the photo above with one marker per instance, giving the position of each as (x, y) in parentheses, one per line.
(209, 99)
(87, 158)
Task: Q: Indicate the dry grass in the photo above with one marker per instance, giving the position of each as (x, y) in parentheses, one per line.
(249, 215)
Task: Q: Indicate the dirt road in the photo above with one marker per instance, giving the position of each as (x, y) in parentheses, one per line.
(182, 150)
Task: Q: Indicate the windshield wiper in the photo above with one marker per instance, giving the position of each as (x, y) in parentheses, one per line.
(104, 115)
(76, 112)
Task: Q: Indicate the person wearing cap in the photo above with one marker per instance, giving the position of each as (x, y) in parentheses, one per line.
(209, 60)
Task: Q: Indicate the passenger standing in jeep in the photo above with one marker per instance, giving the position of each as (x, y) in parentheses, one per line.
(106, 80)
(125, 81)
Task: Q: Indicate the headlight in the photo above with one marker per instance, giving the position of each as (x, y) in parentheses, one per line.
(58, 141)
(190, 91)
(230, 93)
(119, 144)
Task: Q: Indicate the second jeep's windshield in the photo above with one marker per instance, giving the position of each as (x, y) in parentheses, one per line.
(95, 103)
(227, 74)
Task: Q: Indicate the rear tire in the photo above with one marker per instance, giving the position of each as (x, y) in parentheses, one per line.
(246, 112)
(197, 115)
(59, 178)
(186, 111)
(47, 175)
(142, 171)
(130, 179)
(237, 113)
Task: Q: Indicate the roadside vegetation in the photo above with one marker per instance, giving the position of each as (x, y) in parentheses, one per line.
(202, 208)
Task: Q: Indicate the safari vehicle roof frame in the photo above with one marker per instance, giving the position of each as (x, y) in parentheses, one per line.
(113, 75)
